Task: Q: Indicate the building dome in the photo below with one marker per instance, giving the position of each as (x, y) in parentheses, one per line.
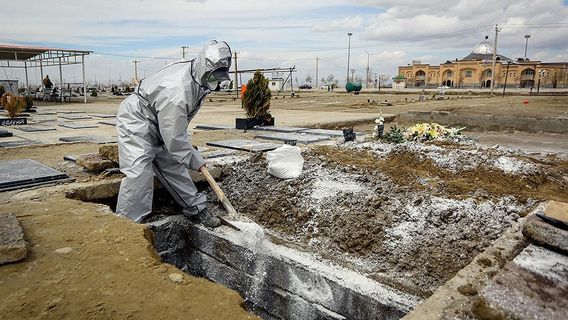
(484, 47)
(484, 51)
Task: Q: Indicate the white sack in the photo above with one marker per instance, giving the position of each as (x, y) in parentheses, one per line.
(285, 162)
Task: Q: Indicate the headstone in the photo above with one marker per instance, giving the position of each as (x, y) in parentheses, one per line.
(34, 128)
(74, 116)
(5, 133)
(295, 136)
(245, 145)
(212, 127)
(16, 174)
(12, 244)
(11, 144)
(93, 139)
(108, 122)
(78, 126)
(279, 129)
(103, 115)
(217, 153)
(325, 132)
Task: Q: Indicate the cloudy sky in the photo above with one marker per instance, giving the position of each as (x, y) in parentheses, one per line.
(283, 33)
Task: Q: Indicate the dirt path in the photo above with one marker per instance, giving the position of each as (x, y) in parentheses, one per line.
(86, 263)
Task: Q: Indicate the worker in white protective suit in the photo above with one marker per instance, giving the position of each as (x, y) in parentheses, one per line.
(152, 134)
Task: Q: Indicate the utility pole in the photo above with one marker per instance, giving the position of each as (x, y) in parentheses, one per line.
(527, 36)
(506, 76)
(317, 69)
(493, 71)
(368, 55)
(349, 34)
(236, 84)
(183, 51)
(136, 69)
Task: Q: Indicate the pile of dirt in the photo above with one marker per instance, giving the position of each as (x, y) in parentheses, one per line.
(392, 212)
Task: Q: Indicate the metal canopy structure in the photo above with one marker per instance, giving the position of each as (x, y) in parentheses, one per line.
(24, 57)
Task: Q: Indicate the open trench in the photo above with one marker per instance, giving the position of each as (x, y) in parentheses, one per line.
(356, 236)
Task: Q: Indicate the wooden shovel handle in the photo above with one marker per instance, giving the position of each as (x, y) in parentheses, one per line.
(220, 195)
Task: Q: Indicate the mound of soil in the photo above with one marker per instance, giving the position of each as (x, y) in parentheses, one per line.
(393, 212)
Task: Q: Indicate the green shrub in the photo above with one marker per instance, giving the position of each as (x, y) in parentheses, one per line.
(94, 92)
(395, 135)
(256, 99)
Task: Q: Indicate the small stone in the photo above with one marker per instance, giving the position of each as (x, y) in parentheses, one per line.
(176, 278)
(467, 290)
(485, 261)
(13, 247)
(94, 162)
(64, 250)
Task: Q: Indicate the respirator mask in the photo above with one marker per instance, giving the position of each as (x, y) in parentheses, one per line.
(215, 78)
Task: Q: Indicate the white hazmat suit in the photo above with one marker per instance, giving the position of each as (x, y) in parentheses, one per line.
(152, 131)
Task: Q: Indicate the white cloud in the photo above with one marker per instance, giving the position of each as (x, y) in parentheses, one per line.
(344, 24)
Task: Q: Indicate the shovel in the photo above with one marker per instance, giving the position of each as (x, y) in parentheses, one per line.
(221, 196)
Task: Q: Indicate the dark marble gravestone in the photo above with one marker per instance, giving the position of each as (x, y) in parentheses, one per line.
(294, 136)
(21, 173)
(34, 128)
(245, 145)
(279, 129)
(212, 127)
(78, 126)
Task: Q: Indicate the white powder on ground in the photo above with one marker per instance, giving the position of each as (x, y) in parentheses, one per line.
(324, 188)
(544, 262)
(512, 165)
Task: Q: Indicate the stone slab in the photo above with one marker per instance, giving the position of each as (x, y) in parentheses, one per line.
(279, 129)
(78, 126)
(212, 127)
(74, 116)
(293, 136)
(104, 116)
(34, 128)
(93, 139)
(94, 162)
(71, 112)
(5, 133)
(46, 113)
(12, 144)
(542, 232)
(245, 145)
(532, 286)
(13, 247)
(108, 122)
(211, 154)
(15, 174)
(324, 132)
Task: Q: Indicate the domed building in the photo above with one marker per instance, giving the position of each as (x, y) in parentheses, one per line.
(474, 71)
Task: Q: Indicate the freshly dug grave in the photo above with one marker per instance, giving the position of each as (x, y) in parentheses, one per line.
(409, 215)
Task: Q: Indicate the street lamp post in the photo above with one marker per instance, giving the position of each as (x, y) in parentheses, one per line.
(527, 36)
(349, 34)
(368, 75)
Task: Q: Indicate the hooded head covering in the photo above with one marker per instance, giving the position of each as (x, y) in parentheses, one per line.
(212, 64)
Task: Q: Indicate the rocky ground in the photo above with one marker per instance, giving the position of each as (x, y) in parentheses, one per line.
(410, 215)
